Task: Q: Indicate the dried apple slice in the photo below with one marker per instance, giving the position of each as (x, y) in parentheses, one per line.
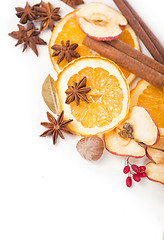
(100, 22)
(155, 172)
(154, 154)
(144, 130)
(155, 169)
(115, 145)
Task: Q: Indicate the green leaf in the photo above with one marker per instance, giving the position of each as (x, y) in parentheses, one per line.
(49, 94)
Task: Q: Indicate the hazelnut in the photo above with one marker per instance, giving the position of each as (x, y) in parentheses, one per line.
(90, 148)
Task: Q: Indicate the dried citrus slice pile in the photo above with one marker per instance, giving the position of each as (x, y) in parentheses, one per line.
(151, 98)
(108, 99)
(68, 29)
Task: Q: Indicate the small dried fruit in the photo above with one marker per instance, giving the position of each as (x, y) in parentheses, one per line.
(136, 177)
(135, 168)
(143, 174)
(90, 148)
(134, 172)
(126, 169)
(129, 181)
(142, 168)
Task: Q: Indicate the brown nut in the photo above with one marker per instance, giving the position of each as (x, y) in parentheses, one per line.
(90, 148)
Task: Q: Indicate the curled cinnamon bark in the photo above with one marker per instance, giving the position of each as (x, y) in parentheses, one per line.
(142, 30)
(123, 47)
(129, 63)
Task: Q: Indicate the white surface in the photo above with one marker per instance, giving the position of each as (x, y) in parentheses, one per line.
(49, 192)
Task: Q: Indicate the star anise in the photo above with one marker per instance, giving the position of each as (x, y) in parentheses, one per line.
(27, 13)
(47, 14)
(55, 127)
(73, 3)
(77, 92)
(65, 51)
(27, 37)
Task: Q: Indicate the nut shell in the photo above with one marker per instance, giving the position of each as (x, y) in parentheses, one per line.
(90, 148)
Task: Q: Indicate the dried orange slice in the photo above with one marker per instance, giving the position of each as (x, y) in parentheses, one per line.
(68, 29)
(108, 99)
(151, 98)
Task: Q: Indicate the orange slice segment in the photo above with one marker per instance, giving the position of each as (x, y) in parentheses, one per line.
(108, 98)
(68, 29)
(151, 98)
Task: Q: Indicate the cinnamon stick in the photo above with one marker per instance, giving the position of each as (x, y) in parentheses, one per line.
(147, 29)
(123, 47)
(142, 30)
(132, 65)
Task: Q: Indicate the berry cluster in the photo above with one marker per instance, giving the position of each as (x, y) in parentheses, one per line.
(134, 171)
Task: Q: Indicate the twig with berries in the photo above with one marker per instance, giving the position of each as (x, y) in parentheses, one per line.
(134, 172)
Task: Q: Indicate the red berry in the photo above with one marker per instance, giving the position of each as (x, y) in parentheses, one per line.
(142, 168)
(129, 182)
(126, 169)
(136, 177)
(143, 174)
(135, 168)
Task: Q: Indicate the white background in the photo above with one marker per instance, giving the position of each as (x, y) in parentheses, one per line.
(49, 192)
